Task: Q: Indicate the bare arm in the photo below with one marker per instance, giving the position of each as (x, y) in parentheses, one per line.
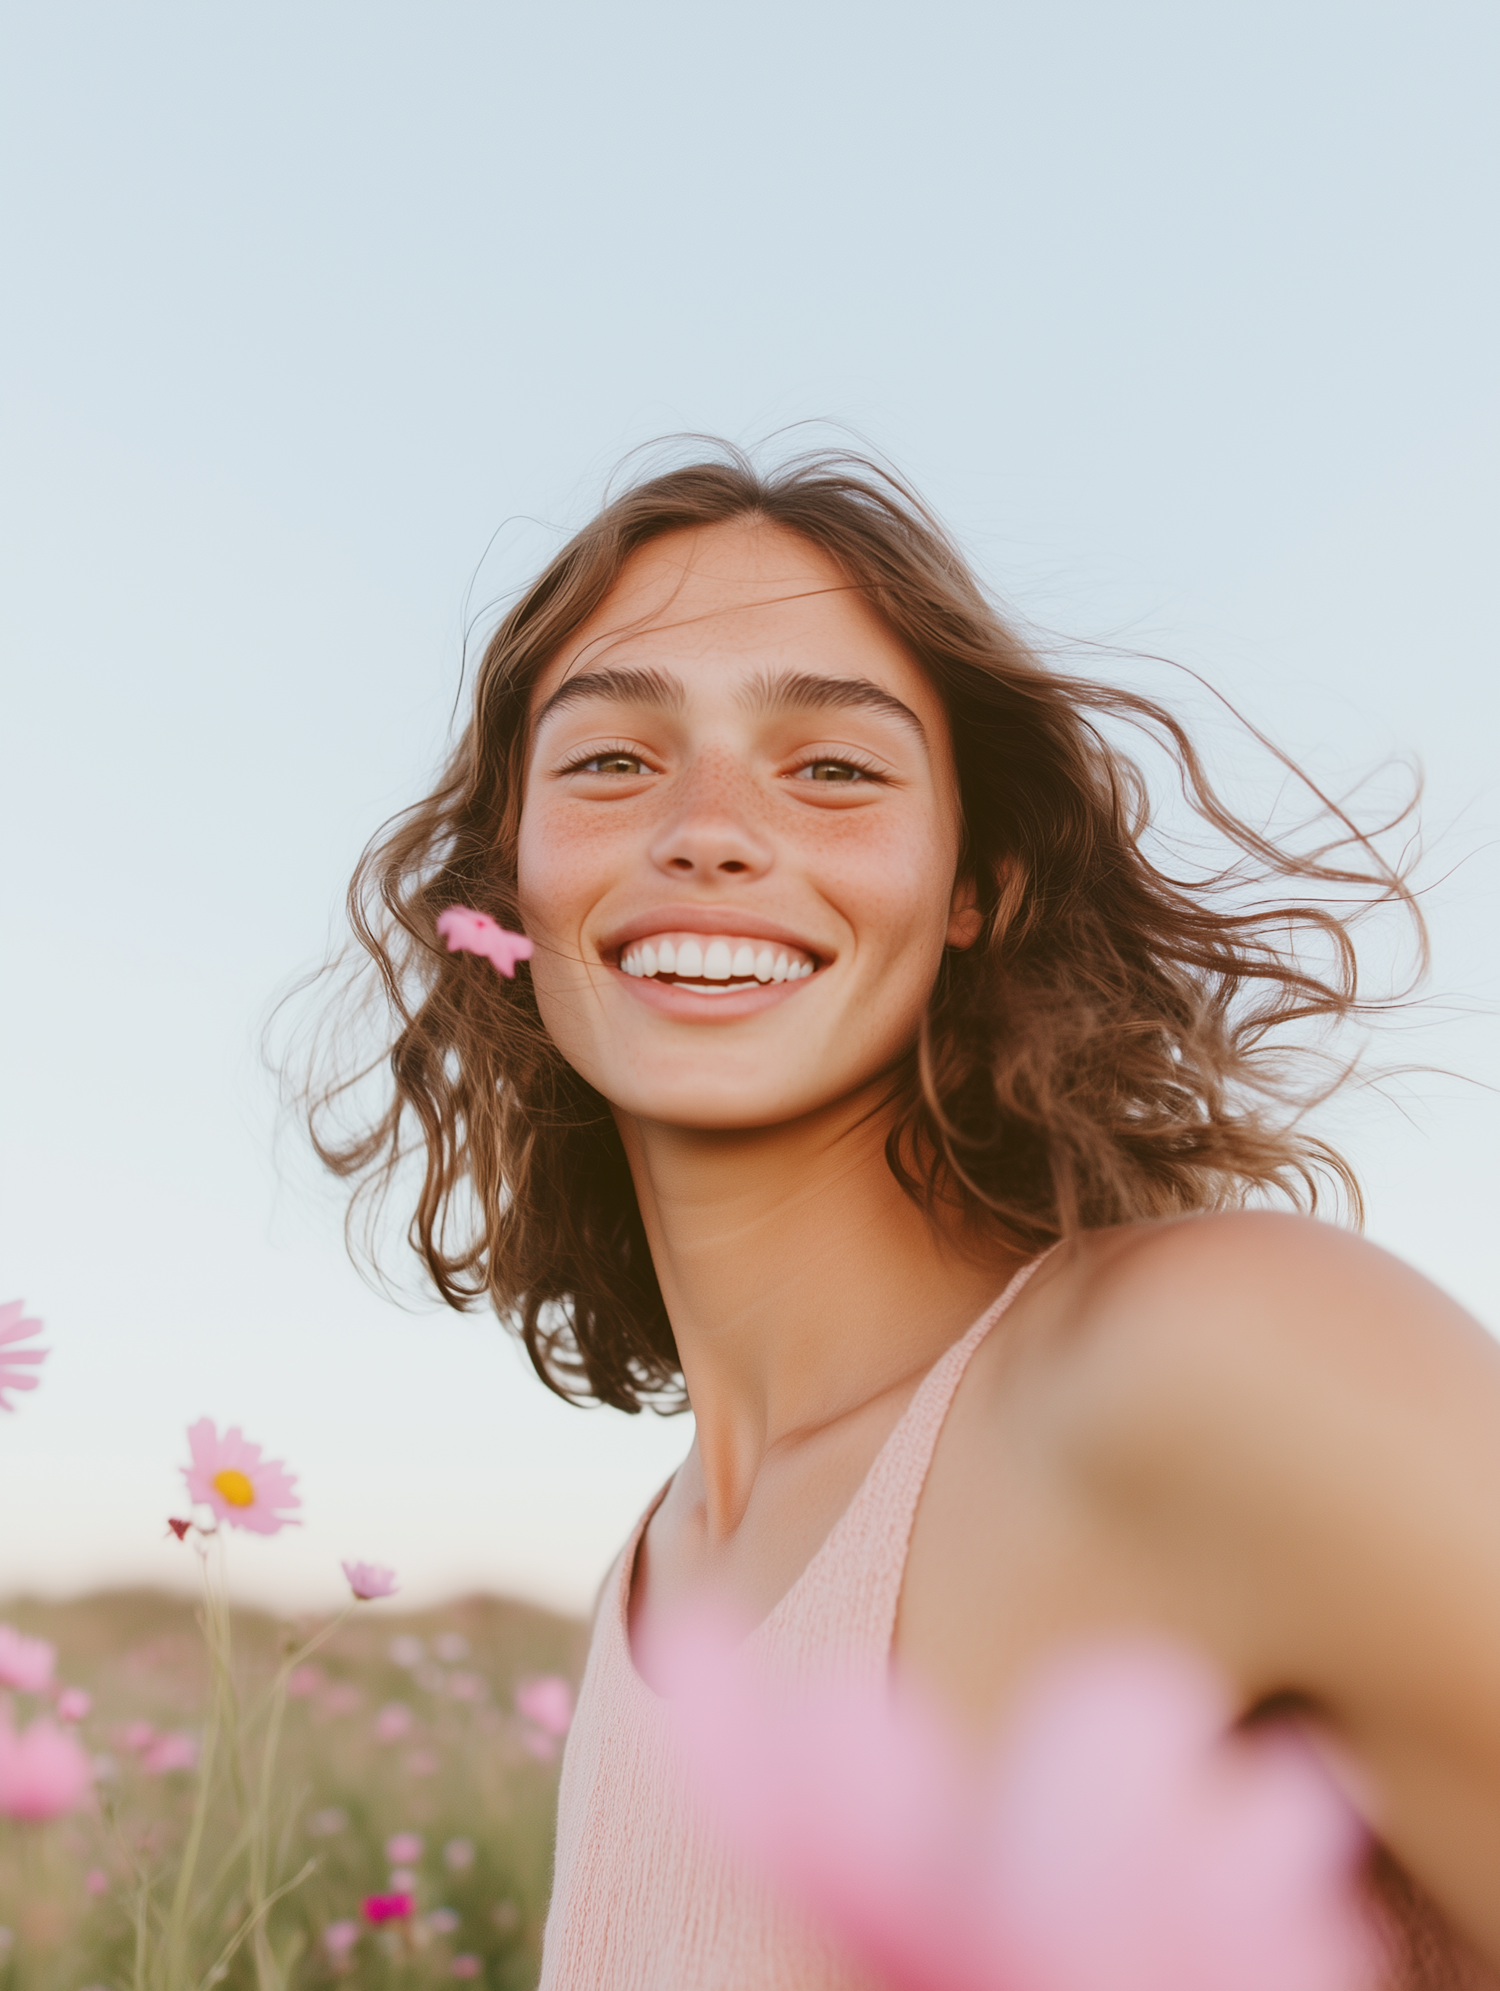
(1267, 1437)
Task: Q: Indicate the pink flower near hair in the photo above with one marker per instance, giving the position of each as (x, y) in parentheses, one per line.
(476, 933)
(547, 1702)
(229, 1475)
(25, 1663)
(43, 1772)
(1119, 1835)
(16, 1363)
(388, 1907)
(370, 1579)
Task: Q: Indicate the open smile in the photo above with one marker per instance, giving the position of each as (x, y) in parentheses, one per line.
(714, 964)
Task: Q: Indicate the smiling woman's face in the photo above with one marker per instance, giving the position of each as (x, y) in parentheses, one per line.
(738, 847)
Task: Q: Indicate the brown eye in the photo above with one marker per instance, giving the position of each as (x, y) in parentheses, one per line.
(832, 771)
(612, 764)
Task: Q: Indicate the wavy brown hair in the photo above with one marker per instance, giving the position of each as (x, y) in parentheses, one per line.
(1106, 1051)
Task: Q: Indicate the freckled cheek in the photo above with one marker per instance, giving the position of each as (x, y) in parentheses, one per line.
(892, 881)
(564, 864)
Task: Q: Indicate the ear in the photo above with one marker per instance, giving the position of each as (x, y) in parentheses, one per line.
(964, 916)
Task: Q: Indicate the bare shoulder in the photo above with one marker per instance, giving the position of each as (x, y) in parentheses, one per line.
(1251, 1378)
(1177, 1327)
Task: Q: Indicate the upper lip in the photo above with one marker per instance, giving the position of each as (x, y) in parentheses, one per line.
(708, 919)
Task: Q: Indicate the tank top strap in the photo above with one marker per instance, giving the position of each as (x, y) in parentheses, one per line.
(841, 1611)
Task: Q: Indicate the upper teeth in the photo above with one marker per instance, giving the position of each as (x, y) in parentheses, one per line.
(693, 957)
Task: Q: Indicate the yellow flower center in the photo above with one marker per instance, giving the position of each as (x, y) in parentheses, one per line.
(235, 1488)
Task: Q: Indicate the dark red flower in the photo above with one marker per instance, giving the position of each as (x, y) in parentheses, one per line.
(179, 1528)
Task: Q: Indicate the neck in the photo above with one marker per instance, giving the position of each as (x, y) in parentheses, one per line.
(800, 1280)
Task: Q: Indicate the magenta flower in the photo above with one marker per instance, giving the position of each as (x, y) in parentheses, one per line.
(388, 1907)
(73, 1704)
(229, 1475)
(43, 1772)
(16, 1363)
(546, 1702)
(477, 933)
(25, 1663)
(1120, 1834)
(369, 1580)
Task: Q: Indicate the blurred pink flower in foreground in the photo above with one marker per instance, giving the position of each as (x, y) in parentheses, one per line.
(229, 1475)
(369, 1580)
(388, 1907)
(546, 1702)
(16, 1363)
(403, 1849)
(73, 1704)
(477, 933)
(1119, 1837)
(304, 1681)
(25, 1663)
(43, 1772)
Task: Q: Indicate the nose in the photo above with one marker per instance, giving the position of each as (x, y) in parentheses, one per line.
(708, 838)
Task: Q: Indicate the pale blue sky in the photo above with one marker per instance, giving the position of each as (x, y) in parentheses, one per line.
(1183, 316)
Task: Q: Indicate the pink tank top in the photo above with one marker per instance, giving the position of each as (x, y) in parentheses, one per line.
(642, 1898)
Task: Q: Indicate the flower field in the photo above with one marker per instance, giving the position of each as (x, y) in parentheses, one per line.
(415, 1777)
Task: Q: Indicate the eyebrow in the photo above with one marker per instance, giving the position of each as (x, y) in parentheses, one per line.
(789, 691)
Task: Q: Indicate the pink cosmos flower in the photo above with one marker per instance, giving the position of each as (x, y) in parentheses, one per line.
(1119, 1836)
(96, 1882)
(43, 1772)
(339, 1938)
(229, 1475)
(477, 933)
(547, 1702)
(443, 1921)
(403, 1849)
(303, 1682)
(137, 1735)
(394, 1722)
(464, 1965)
(370, 1579)
(73, 1704)
(388, 1907)
(16, 1363)
(25, 1663)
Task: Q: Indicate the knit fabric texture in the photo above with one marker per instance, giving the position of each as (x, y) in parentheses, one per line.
(644, 1898)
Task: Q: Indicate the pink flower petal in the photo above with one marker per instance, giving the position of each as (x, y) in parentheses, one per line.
(476, 933)
(1119, 1837)
(16, 1363)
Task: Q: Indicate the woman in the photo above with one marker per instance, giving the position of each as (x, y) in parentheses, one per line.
(872, 1091)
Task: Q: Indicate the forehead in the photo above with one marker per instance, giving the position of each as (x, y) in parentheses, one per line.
(714, 603)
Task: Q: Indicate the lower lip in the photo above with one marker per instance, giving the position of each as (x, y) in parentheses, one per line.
(688, 1006)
